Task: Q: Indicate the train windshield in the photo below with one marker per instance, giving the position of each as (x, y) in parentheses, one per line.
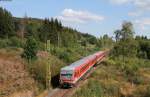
(67, 74)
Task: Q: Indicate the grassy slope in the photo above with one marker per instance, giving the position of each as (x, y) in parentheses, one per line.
(13, 74)
(14, 71)
(111, 81)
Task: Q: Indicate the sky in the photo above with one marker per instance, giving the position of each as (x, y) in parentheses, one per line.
(96, 17)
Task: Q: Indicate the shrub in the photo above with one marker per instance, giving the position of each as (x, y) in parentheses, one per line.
(111, 90)
(130, 70)
(41, 46)
(30, 49)
(144, 63)
(11, 43)
(137, 80)
(38, 68)
(3, 43)
(68, 55)
(109, 62)
(16, 42)
(91, 89)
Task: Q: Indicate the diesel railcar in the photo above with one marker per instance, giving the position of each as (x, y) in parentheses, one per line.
(69, 75)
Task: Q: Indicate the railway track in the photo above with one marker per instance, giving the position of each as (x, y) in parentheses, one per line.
(59, 92)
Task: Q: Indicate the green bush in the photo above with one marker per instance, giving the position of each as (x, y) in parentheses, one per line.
(38, 70)
(130, 70)
(30, 49)
(13, 42)
(16, 42)
(41, 46)
(91, 89)
(4, 43)
(39, 67)
(111, 90)
(68, 55)
(144, 63)
(109, 62)
(137, 80)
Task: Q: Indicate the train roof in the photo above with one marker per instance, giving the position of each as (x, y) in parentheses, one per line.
(78, 63)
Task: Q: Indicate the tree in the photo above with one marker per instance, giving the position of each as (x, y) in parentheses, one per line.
(30, 49)
(31, 30)
(117, 35)
(44, 31)
(144, 47)
(105, 41)
(50, 30)
(127, 30)
(7, 28)
(126, 44)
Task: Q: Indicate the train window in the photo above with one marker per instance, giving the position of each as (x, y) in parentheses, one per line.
(67, 75)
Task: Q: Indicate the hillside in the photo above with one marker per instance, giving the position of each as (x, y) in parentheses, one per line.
(32, 52)
(113, 80)
(18, 78)
(14, 76)
(23, 70)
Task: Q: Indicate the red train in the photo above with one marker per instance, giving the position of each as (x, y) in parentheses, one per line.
(69, 75)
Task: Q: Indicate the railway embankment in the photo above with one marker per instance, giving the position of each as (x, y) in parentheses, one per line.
(15, 80)
(114, 80)
(69, 92)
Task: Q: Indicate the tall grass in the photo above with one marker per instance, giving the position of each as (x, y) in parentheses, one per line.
(38, 69)
(91, 89)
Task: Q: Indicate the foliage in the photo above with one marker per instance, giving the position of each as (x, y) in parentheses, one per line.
(16, 42)
(30, 49)
(128, 57)
(127, 31)
(32, 30)
(105, 42)
(6, 24)
(117, 79)
(144, 47)
(126, 45)
(50, 30)
(89, 38)
(38, 69)
(13, 42)
(68, 55)
(90, 90)
(4, 43)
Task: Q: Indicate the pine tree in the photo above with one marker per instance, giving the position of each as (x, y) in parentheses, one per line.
(30, 49)
(7, 28)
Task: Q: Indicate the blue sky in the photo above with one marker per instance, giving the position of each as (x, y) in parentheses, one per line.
(97, 17)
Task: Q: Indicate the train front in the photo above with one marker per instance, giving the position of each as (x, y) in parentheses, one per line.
(67, 76)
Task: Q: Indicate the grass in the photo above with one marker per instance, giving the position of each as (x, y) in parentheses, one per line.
(13, 74)
(90, 90)
(114, 79)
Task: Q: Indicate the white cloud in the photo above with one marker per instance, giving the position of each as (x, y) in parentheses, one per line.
(135, 13)
(119, 1)
(143, 4)
(71, 15)
(143, 23)
(140, 5)
(70, 19)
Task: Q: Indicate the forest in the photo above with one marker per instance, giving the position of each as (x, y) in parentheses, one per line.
(41, 43)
